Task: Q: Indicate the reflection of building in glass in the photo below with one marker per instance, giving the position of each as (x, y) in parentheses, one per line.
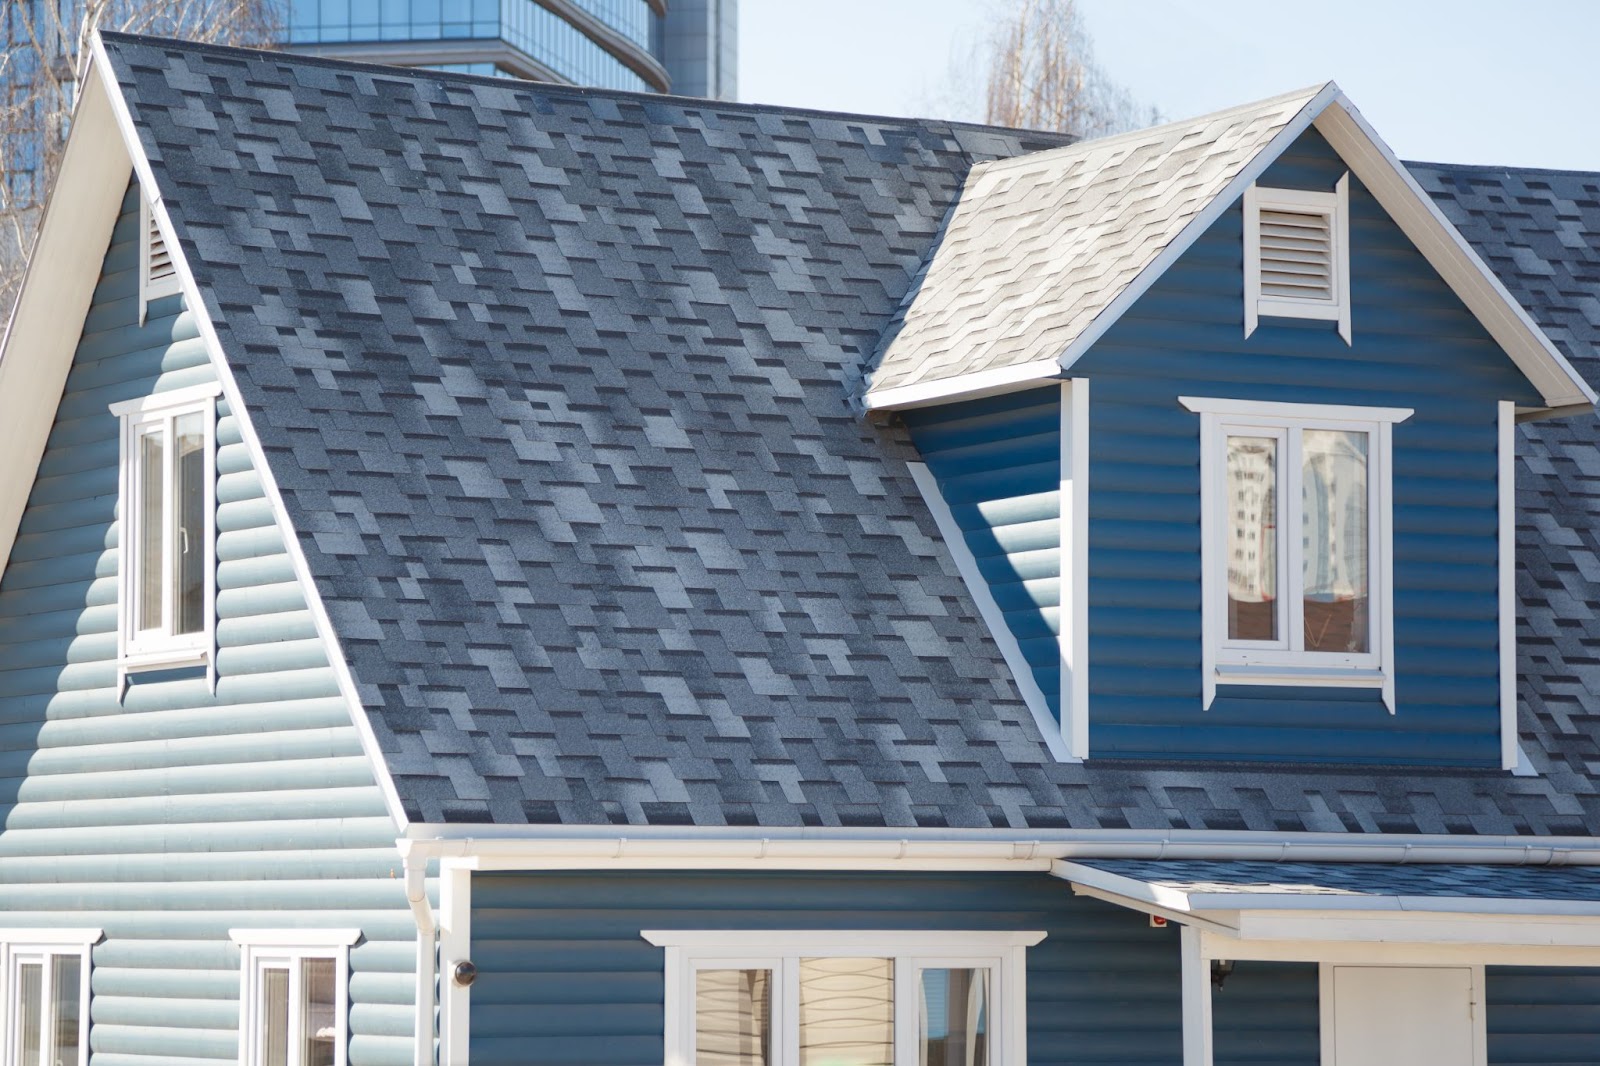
(683, 46)
(1252, 537)
(1333, 533)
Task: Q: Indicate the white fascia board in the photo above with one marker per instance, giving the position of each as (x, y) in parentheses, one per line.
(965, 387)
(269, 484)
(983, 598)
(1415, 212)
(1481, 928)
(1232, 192)
(57, 290)
(1130, 888)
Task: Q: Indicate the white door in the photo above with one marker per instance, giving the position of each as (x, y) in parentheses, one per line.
(1402, 1016)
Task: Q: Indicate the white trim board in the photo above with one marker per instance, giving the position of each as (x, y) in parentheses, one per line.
(1074, 639)
(1511, 757)
(956, 543)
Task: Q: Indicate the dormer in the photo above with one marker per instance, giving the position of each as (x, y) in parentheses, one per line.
(1218, 421)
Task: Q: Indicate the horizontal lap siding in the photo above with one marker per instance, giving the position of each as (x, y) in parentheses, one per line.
(998, 465)
(176, 815)
(1414, 346)
(1543, 1016)
(564, 978)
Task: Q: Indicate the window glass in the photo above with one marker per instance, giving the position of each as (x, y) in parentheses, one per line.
(733, 1018)
(68, 987)
(1334, 527)
(275, 1017)
(189, 480)
(954, 1027)
(30, 1012)
(317, 1012)
(846, 1012)
(151, 527)
(1252, 504)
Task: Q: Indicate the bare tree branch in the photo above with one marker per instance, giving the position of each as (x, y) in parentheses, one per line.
(45, 41)
(1042, 74)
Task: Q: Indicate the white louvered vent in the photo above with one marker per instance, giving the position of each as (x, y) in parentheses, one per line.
(158, 274)
(1296, 255)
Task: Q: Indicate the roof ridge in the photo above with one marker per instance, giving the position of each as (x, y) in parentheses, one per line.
(578, 91)
(1506, 168)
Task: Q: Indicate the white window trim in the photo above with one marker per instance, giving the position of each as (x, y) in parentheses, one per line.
(17, 945)
(1004, 954)
(259, 947)
(152, 289)
(194, 649)
(1239, 665)
(1336, 205)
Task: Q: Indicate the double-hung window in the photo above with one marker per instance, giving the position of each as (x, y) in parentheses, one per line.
(807, 998)
(167, 529)
(47, 997)
(294, 989)
(1295, 544)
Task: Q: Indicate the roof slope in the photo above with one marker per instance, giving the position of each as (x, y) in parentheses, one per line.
(1446, 881)
(1037, 247)
(556, 386)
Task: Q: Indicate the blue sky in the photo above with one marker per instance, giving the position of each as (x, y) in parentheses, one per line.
(1463, 81)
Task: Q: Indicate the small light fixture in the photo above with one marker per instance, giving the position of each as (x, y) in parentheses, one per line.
(1221, 970)
(466, 973)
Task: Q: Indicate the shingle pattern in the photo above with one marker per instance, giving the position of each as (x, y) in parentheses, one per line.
(1364, 878)
(556, 385)
(1037, 247)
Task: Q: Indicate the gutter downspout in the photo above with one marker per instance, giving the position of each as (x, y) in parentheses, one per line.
(416, 870)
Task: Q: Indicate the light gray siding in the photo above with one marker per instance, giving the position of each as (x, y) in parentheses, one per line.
(175, 815)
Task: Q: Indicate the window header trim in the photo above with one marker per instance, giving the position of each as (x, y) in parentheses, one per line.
(1308, 412)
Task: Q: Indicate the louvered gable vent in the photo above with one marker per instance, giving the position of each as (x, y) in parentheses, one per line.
(161, 268)
(1296, 255)
(158, 274)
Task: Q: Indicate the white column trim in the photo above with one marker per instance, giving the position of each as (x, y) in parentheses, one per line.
(1074, 637)
(1506, 483)
(455, 945)
(1196, 999)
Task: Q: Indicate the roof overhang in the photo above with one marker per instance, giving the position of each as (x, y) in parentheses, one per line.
(1561, 389)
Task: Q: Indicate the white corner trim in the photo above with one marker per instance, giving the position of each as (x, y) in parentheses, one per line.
(817, 942)
(455, 945)
(1201, 222)
(269, 484)
(1420, 218)
(965, 386)
(1308, 412)
(1511, 756)
(1075, 566)
(294, 938)
(956, 543)
(70, 937)
(1341, 261)
(1384, 521)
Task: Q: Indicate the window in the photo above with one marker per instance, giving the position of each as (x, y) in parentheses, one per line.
(806, 998)
(47, 997)
(158, 274)
(294, 996)
(1295, 544)
(167, 529)
(1297, 255)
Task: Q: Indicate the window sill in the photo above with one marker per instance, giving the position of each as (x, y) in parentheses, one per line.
(164, 659)
(1307, 676)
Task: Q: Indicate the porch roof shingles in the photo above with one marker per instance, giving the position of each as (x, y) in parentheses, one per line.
(1438, 880)
(556, 385)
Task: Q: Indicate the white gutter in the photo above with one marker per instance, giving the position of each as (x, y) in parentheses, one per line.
(416, 868)
(714, 848)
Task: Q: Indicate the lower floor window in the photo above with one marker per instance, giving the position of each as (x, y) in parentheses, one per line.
(49, 995)
(295, 995)
(844, 999)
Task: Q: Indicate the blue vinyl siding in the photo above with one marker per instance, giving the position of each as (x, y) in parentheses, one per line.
(175, 815)
(998, 465)
(1542, 1016)
(562, 968)
(1414, 346)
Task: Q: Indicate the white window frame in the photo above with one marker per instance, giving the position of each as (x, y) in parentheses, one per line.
(152, 650)
(1282, 662)
(151, 289)
(261, 949)
(1336, 206)
(18, 946)
(1003, 954)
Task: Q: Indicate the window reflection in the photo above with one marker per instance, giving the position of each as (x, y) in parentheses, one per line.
(1252, 518)
(954, 1027)
(1334, 534)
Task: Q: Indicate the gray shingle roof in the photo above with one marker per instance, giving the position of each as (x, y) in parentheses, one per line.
(1037, 247)
(556, 384)
(1438, 880)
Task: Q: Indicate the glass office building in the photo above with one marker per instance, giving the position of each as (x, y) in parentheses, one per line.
(683, 46)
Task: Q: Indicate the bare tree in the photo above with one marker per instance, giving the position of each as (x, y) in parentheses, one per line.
(45, 44)
(1042, 74)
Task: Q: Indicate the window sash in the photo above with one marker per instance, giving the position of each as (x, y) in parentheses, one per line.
(256, 1049)
(42, 1020)
(1290, 648)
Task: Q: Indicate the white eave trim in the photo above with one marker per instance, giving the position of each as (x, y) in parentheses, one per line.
(966, 387)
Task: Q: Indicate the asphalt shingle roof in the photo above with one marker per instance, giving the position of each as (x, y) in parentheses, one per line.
(557, 385)
(1438, 880)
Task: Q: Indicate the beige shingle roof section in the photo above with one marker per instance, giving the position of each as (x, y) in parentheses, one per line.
(1040, 245)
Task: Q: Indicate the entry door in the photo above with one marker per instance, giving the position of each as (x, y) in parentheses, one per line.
(1402, 1016)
